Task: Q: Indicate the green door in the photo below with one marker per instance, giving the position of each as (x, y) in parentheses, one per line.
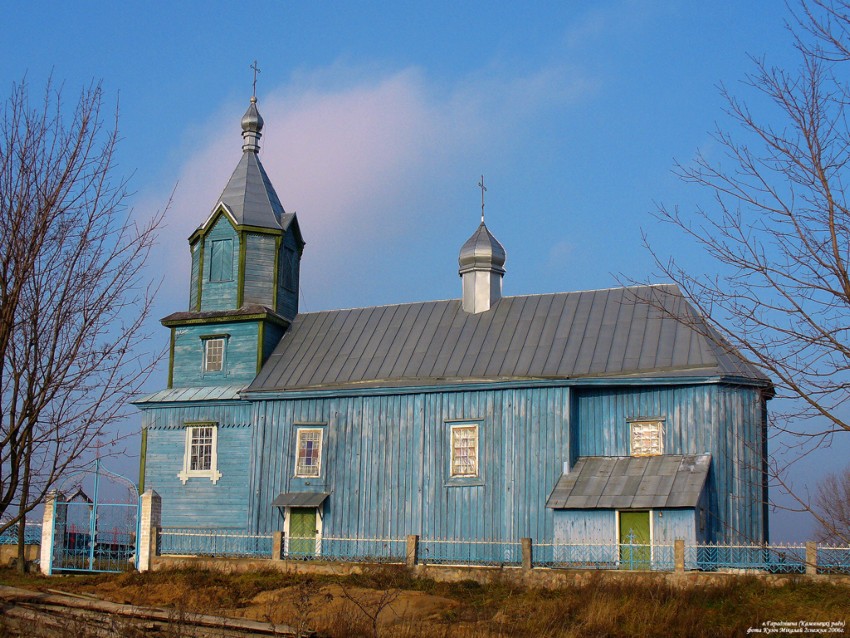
(635, 548)
(302, 531)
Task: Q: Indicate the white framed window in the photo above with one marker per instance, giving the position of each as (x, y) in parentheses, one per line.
(214, 355)
(200, 455)
(464, 450)
(647, 438)
(308, 452)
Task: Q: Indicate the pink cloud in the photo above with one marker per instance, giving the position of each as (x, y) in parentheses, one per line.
(354, 158)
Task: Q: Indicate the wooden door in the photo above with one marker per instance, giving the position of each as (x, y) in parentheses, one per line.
(635, 542)
(302, 531)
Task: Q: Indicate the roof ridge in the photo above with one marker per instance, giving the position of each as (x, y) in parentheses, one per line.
(525, 296)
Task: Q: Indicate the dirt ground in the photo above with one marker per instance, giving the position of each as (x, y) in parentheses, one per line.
(332, 608)
(382, 602)
(386, 601)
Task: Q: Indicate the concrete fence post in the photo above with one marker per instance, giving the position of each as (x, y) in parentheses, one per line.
(277, 545)
(811, 558)
(412, 551)
(679, 555)
(54, 518)
(151, 520)
(526, 553)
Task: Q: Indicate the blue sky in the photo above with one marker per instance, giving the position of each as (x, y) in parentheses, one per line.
(380, 118)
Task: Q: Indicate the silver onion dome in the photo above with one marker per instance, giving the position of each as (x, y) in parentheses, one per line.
(482, 251)
(252, 126)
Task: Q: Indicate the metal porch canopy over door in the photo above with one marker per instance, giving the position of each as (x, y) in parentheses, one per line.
(635, 547)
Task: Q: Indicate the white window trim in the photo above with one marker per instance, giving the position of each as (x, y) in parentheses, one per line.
(298, 433)
(213, 474)
(645, 422)
(464, 426)
(287, 514)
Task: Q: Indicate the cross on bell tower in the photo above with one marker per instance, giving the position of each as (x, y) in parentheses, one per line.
(256, 70)
(483, 190)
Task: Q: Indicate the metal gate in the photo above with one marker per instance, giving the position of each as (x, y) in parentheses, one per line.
(92, 536)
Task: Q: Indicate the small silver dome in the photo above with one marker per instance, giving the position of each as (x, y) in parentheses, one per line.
(252, 125)
(482, 251)
(252, 120)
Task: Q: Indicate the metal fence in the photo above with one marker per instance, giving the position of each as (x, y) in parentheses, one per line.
(833, 559)
(32, 535)
(213, 542)
(776, 559)
(604, 556)
(360, 550)
(445, 551)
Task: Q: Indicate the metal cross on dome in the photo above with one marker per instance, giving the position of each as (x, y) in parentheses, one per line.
(483, 190)
(256, 70)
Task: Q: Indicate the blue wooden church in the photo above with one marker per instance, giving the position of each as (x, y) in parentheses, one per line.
(571, 418)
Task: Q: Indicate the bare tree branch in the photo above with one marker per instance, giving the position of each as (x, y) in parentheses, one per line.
(74, 297)
(778, 230)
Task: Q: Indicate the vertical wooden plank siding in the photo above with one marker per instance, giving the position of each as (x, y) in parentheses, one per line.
(599, 526)
(220, 295)
(668, 525)
(193, 280)
(240, 356)
(199, 502)
(259, 269)
(272, 334)
(386, 462)
(724, 421)
(585, 526)
(287, 299)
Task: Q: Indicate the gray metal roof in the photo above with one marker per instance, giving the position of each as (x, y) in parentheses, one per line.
(299, 499)
(251, 198)
(206, 393)
(617, 332)
(602, 482)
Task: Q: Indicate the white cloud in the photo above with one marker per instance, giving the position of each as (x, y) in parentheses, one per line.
(351, 152)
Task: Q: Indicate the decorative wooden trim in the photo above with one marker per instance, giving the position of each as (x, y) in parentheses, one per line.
(278, 242)
(143, 454)
(171, 360)
(240, 273)
(261, 329)
(201, 274)
(281, 321)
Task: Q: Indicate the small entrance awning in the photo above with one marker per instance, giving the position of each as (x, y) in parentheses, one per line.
(300, 499)
(598, 482)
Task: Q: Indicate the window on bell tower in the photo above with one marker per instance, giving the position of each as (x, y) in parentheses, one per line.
(221, 260)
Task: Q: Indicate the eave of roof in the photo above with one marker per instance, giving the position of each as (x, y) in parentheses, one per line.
(248, 312)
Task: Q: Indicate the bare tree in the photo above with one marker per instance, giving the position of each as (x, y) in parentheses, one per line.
(777, 227)
(832, 504)
(73, 295)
